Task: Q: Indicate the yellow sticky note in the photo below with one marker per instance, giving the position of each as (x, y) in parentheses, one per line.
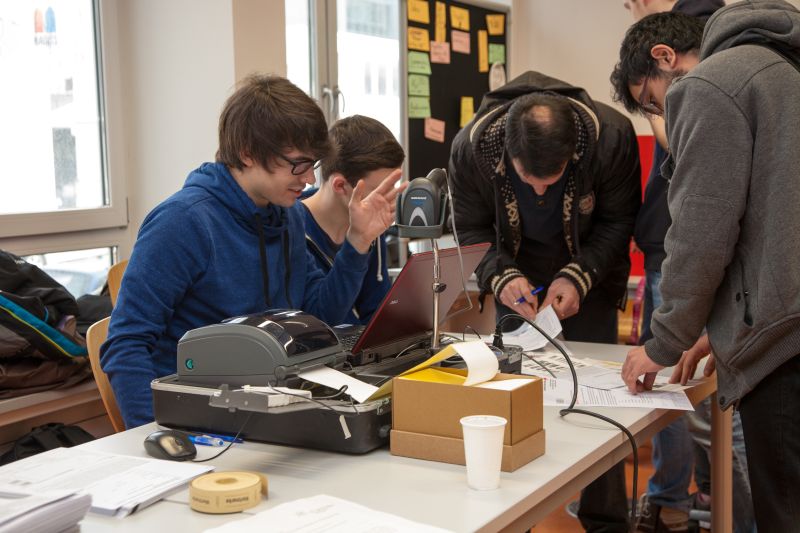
(459, 18)
(419, 39)
(496, 24)
(440, 34)
(418, 11)
(467, 110)
(483, 51)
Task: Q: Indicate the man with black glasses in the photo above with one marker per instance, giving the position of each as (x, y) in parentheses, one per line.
(731, 103)
(231, 242)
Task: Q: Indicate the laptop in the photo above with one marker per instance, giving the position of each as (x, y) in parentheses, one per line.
(405, 316)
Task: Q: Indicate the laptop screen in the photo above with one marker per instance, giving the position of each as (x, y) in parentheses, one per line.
(407, 309)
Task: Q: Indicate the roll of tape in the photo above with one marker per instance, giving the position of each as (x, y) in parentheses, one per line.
(226, 492)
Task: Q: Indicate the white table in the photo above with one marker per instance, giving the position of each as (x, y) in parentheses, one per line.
(578, 450)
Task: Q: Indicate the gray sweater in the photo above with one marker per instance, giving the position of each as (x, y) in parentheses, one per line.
(733, 250)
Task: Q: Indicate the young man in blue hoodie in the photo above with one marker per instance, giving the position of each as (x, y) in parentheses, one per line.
(731, 114)
(231, 242)
(363, 150)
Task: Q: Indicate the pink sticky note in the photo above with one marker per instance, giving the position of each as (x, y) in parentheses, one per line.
(460, 41)
(440, 52)
(434, 129)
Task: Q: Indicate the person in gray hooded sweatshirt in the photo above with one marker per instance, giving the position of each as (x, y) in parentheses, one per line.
(733, 250)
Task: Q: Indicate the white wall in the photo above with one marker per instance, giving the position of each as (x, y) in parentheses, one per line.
(573, 40)
(178, 61)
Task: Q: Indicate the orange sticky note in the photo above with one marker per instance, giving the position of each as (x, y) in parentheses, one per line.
(418, 11)
(483, 51)
(440, 52)
(467, 110)
(459, 18)
(496, 24)
(440, 33)
(434, 129)
(460, 40)
(419, 39)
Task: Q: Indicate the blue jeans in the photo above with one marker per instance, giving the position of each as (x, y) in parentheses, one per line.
(677, 445)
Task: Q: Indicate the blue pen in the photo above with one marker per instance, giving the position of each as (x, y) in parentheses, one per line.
(206, 440)
(535, 291)
(225, 438)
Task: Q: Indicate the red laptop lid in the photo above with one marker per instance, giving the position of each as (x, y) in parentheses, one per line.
(407, 309)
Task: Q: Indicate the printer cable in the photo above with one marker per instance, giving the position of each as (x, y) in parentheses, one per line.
(498, 343)
(231, 443)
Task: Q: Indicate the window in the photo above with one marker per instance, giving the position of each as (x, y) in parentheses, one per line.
(52, 135)
(81, 271)
(63, 200)
(354, 60)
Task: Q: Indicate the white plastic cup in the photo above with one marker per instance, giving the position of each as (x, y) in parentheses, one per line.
(483, 449)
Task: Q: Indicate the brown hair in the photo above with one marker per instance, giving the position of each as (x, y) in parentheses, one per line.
(361, 145)
(267, 116)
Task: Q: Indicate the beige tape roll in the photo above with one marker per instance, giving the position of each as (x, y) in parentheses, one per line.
(226, 492)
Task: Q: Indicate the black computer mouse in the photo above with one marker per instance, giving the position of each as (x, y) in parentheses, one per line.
(171, 445)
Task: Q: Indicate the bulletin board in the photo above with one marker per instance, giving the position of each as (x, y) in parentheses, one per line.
(452, 49)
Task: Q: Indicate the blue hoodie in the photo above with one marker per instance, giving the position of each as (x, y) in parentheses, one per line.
(376, 282)
(196, 262)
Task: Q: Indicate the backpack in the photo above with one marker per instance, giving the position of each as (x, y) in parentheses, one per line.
(39, 346)
(43, 438)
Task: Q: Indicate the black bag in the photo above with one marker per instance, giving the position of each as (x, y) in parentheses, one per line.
(39, 346)
(46, 437)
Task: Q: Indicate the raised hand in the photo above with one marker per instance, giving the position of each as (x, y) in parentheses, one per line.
(372, 214)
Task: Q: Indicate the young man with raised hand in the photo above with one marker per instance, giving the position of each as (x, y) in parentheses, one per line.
(363, 150)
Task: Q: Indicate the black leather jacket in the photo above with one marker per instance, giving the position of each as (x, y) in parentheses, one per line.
(600, 201)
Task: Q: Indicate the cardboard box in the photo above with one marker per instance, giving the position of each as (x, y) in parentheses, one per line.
(449, 450)
(426, 418)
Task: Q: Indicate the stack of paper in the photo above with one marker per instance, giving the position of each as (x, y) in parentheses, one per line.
(117, 484)
(41, 512)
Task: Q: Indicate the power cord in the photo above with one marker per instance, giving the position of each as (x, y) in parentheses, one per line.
(497, 342)
(233, 440)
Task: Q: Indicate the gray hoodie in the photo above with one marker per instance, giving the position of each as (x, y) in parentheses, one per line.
(733, 250)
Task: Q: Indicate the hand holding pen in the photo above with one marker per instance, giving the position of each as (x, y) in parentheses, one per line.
(521, 297)
(534, 292)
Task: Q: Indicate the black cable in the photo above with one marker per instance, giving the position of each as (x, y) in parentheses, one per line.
(540, 364)
(464, 334)
(498, 343)
(233, 441)
(341, 391)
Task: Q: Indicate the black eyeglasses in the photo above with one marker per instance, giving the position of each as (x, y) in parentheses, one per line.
(301, 166)
(649, 107)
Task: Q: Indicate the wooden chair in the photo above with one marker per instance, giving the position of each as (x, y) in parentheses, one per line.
(94, 338)
(115, 279)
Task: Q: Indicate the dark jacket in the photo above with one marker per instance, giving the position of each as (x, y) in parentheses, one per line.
(653, 220)
(601, 197)
(733, 247)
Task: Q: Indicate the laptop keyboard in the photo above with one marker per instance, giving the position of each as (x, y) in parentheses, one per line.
(349, 339)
